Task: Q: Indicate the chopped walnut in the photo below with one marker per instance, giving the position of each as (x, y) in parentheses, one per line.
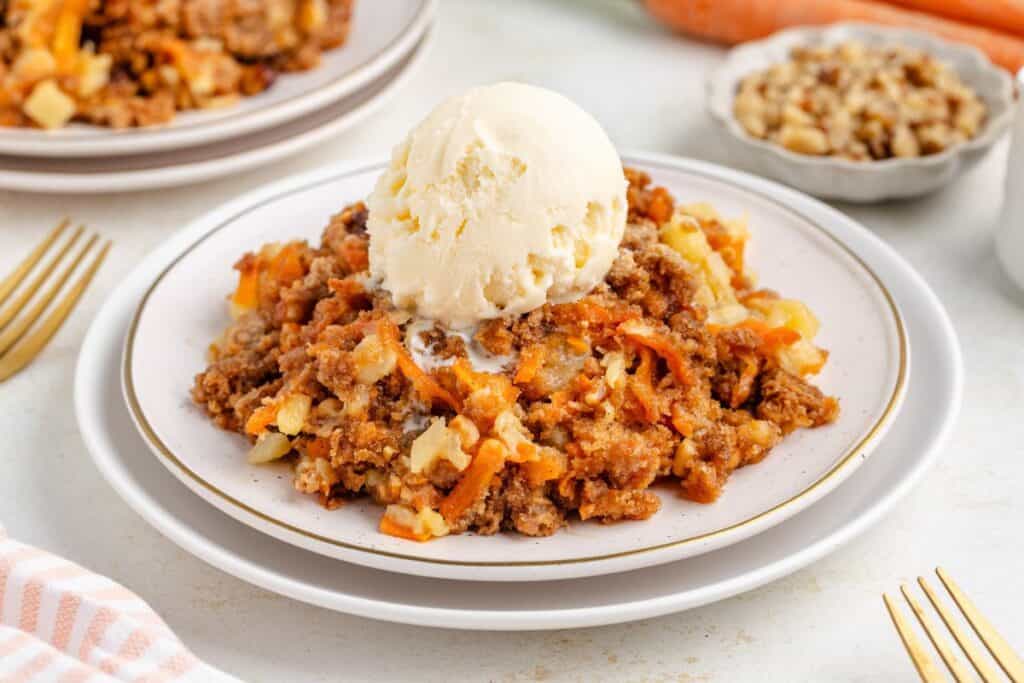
(859, 102)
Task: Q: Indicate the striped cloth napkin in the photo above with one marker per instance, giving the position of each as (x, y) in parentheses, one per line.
(62, 623)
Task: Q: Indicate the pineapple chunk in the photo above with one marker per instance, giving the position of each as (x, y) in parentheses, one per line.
(403, 521)
(93, 73)
(373, 359)
(48, 106)
(269, 447)
(293, 413)
(516, 438)
(437, 443)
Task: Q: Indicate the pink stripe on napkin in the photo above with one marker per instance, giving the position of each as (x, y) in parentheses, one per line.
(91, 630)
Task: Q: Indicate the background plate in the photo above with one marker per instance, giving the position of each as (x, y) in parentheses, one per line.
(185, 310)
(901, 459)
(382, 33)
(198, 164)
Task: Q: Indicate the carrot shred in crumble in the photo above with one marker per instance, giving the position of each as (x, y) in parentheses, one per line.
(546, 468)
(661, 344)
(530, 362)
(487, 462)
(660, 209)
(682, 423)
(771, 338)
(260, 419)
(247, 294)
(425, 385)
(392, 528)
(355, 254)
(643, 386)
(286, 266)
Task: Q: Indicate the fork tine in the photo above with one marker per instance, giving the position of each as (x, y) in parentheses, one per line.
(996, 644)
(10, 282)
(922, 662)
(23, 354)
(20, 326)
(960, 672)
(970, 648)
(29, 290)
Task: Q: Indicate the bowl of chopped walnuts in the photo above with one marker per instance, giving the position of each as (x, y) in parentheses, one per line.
(859, 112)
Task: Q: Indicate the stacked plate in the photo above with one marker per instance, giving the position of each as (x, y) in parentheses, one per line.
(388, 39)
(814, 492)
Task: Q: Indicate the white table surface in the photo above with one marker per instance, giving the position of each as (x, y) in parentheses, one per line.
(826, 622)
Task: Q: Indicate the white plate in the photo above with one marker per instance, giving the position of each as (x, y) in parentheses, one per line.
(383, 32)
(185, 310)
(901, 459)
(198, 164)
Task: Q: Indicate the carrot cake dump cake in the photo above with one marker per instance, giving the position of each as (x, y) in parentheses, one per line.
(123, 63)
(669, 365)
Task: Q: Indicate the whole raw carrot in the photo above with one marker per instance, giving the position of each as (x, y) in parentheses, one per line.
(736, 21)
(1003, 15)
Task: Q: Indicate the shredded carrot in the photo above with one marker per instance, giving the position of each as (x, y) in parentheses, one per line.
(546, 468)
(530, 362)
(424, 384)
(354, 252)
(247, 294)
(682, 423)
(286, 265)
(772, 338)
(67, 33)
(578, 344)
(499, 385)
(391, 528)
(642, 386)
(261, 418)
(319, 447)
(660, 209)
(661, 344)
(487, 462)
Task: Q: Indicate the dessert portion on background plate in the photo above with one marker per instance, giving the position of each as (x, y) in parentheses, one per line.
(513, 334)
(126, 64)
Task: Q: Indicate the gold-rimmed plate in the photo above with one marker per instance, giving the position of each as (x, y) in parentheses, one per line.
(382, 34)
(184, 309)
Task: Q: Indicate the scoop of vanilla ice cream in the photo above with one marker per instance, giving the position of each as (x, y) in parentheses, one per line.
(502, 199)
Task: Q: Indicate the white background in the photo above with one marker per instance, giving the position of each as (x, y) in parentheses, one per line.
(826, 622)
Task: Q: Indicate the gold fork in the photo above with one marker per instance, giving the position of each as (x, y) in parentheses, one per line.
(16, 348)
(929, 672)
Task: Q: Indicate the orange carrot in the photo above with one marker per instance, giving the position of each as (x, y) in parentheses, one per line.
(642, 385)
(772, 338)
(286, 266)
(530, 362)
(1004, 15)
(682, 423)
(354, 251)
(661, 344)
(260, 419)
(550, 465)
(425, 385)
(68, 33)
(660, 208)
(736, 21)
(247, 294)
(487, 462)
(392, 528)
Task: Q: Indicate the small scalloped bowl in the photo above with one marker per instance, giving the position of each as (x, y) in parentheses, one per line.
(860, 181)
